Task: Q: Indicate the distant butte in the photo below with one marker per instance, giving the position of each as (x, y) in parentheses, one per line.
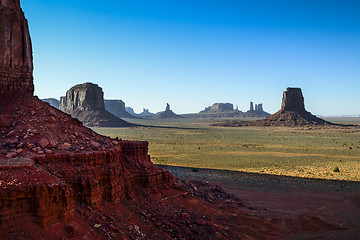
(226, 110)
(168, 113)
(117, 107)
(292, 113)
(52, 101)
(61, 180)
(219, 107)
(86, 103)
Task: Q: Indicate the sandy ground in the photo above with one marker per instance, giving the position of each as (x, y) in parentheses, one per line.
(271, 196)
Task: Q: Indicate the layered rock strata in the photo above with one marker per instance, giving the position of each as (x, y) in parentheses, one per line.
(47, 167)
(50, 162)
(61, 180)
(16, 63)
(86, 103)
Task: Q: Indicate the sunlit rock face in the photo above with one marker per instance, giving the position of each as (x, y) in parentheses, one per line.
(293, 100)
(16, 61)
(83, 97)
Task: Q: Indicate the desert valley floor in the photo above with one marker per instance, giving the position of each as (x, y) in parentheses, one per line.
(274, 171)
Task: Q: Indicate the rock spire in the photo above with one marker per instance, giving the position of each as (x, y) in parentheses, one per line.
(168, 113)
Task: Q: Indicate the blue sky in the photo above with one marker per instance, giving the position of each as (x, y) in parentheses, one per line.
(193, 53)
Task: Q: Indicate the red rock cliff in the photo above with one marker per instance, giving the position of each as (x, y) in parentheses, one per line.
(50, 162)
(16, 63)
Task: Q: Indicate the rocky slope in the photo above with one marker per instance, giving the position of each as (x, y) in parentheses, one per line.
(86, 103)
(49, 162)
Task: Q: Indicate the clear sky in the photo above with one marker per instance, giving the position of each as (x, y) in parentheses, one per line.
(193, 53)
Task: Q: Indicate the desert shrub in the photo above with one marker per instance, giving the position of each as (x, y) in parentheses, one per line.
(336, 169)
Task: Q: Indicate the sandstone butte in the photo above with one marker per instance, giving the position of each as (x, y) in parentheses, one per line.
(61, 180)
(291, 114)
(86, 103)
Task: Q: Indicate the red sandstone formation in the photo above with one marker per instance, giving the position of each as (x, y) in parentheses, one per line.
(292, 113)
(86, 103)
(61, 180)
(16, 63)
(49, 160)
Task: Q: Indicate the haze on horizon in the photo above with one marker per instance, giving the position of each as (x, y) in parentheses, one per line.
(192, 54)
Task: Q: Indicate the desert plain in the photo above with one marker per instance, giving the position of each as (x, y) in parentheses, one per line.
(287, 172)
(307, 152)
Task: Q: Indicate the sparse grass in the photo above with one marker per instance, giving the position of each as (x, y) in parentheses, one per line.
(283, 151)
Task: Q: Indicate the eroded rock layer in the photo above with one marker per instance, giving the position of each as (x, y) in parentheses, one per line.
(46, 167)
(61, 180)
(16, 63)
(49, 162)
